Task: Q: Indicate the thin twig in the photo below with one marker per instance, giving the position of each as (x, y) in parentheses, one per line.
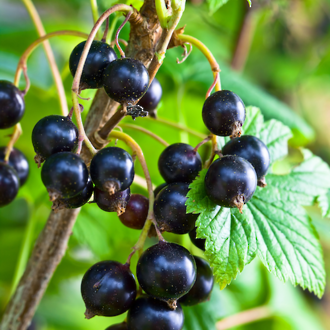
(216, 79)
(207, 139)
(106, 30)
(118, 31)
(15, 136)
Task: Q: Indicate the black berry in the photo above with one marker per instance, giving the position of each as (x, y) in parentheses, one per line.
(199, 242)
(152, 97)
(231, 181)
(170, 209)
(252, 149)
(203, 286)
(112, 169)
(224, 113)
(99, 56)
(9, 184)
(116, 202)
(166, 271)
(159, 188)
(119, 326)
(65, 175)
(125, 80)
(136, 212)
(54, 134)
(179, 162)
(18, 161)
(108, 289)
(148, 313)
(12, 104)
(77, 201)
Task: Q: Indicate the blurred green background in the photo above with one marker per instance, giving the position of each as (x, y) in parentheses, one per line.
(285, 72)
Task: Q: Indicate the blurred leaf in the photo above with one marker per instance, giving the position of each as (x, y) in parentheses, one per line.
(214, 5)
(324, 203)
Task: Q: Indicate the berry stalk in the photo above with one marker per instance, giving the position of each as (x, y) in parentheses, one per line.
(15, 136)
(50, 56)
(118, 31)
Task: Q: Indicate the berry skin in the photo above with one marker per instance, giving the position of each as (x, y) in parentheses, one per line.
(148, 313)
(170, 209)
(179, 162)
(65, 175)
(231, 182)
(166, 271)
(159, 188)
(9, 184)
(119, 326)
(18, 161)
(125, 80)
(151, 98)
(77, 201)
(99, 56)
(12, 104)
(203, 286)
(199, 242)
(136, 212)
(112, 169)
(54, 134)
(224, 113)
(252, 149)
(116, 202)
(108, 289)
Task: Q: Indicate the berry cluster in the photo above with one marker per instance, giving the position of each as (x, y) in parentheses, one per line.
(14, 169)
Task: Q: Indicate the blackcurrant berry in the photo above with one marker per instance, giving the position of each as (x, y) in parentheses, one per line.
(136, 212)
(108, 289)
(112, 169)
(179, 162)
(18, 161)
(252, 149)
(119, 326)
(116, 202)
(12, 104)
(54, 134)
(99, 56)
(170, 209)
(9, 184)
(159, 188)
(166, 271)
(77, 201)
(148, 313)
(199, 242)
(125, 80)
(151, 98)
(231, 182)
(224, 113)
(203, 286)
(65, 175)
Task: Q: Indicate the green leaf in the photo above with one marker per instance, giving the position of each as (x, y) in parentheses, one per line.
(214, 5)
(324, 203)
(230, 238)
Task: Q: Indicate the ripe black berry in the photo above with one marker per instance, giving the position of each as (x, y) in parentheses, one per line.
(99, 56)
(112, 169)
(170, 209)
(148, 313)
(252, 149)
(108, 289)
(125, 80)
(119, 326)
(12, 104)
(77, 201)
(203, 286)
(64, 174)
(231, 182)
(9, 184)
(18, 161)
(179, 162)
(166, 271)
(199, 242)
(224, 113)
(54, 134)
(159, 188)
(152, 97)
(116, 202)
(136, 212)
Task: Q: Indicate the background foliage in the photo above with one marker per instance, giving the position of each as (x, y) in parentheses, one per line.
(286, 76)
